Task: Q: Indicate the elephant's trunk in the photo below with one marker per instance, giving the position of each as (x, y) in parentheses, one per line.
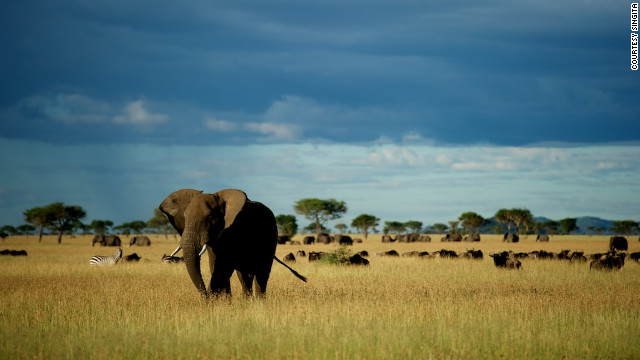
(190, 248)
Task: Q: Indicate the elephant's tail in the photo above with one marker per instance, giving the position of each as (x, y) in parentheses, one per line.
(290, 269)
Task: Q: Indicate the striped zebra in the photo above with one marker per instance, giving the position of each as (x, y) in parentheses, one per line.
(106, 260)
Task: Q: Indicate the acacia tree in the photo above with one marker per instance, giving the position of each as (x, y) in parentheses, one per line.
(63, 218)
(413, 226)
(287, 224)
(159, 221)
(521, 217)
(471, 221)
(320, 211)
(100, 226)
(37, 217)
(364, 222)
(440, 228)
(568, 225)
(624, 227)
(394, 227)
(341, 227)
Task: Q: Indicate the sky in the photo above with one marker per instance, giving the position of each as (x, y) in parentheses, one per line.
(406, 110)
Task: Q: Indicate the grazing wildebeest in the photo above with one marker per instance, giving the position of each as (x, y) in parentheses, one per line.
(168, 259)
(542, 238)
(344, 239)
(301, 253)
(613, 261)
(446, 254)
(313, 255)
(618, 243)
(388, 253)
(132, 258)
(358, 260)
(363, 253)
(577, 256)
(289, 257)
(504, 260)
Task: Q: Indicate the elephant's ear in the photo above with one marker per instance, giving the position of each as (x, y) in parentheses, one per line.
(175, 204)
(231, 201)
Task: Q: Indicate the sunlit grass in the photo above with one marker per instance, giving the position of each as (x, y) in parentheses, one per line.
(54, 305)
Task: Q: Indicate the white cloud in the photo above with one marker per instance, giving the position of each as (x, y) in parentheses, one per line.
(220, 125)
(136, 113)
(273, 130)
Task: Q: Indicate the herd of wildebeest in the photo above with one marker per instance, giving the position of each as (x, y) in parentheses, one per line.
(613, 259)
(610, 260)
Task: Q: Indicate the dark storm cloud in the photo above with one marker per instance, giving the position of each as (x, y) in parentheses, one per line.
(202, 73)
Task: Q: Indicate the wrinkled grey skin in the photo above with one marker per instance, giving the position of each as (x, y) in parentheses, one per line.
(106, 240)
(140, 240)
(241, 235)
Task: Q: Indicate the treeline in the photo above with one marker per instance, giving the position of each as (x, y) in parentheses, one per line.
(518, 220)
(58, 218)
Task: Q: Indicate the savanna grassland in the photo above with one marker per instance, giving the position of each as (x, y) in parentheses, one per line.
(54, 305)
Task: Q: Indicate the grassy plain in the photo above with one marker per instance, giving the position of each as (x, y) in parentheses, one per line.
(55, 306)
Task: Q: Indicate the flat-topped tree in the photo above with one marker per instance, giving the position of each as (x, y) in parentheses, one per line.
(320, 211)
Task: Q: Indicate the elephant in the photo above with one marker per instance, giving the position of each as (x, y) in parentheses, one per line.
(511, 237)
(542, 238)
(308, 240)
(387, 239)
(472, 237)
(237, 234)
(452, 237)
(140, 240)
(106, 240)
(618, 243)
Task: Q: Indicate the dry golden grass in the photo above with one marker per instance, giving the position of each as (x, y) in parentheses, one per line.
(54, 305)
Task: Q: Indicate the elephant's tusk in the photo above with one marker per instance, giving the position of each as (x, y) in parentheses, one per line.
(204, 248)
(176, 251)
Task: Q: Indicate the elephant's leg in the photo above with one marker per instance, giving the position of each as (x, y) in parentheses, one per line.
(221, 280)
(246, 280)
(261, 283)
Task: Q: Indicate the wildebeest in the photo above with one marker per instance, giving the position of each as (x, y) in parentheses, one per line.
(472, 254)
(301, 253)
(132, 258)
(313, 255)
(308, 240)
(358, 260)
(618, 243)
(289, 257)
(168, 259)
(343, 239)
(511, 237)
(577, 256)
(13, 252)
(613, 261)
(504, 260)
(446, 253)
(635, 256)
(388, 253)
(363, 253)
(542, 238)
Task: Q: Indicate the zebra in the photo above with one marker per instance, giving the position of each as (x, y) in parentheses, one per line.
(106, 260)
